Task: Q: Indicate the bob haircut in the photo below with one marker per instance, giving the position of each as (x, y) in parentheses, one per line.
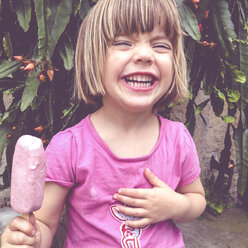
(110, 18)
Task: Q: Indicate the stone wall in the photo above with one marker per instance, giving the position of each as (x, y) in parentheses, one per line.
(209, 139)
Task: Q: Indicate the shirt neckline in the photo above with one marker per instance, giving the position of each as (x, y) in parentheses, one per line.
(106, 148)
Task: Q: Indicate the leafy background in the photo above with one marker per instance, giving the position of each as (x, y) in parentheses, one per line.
(37, 41)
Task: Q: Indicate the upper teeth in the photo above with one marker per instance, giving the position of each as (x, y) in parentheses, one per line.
(140, 78)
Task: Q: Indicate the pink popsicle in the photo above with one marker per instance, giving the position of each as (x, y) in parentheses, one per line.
(28, 175)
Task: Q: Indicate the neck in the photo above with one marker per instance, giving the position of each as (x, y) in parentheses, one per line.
(124, 120)
(128, 135)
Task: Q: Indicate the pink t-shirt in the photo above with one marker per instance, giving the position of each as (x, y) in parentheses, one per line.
(79, 159)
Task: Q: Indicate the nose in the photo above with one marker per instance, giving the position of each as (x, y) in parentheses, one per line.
(143, 55)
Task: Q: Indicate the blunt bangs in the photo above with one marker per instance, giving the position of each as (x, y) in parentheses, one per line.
(123, 17)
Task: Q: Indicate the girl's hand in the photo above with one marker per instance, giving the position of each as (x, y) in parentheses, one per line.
(21, 233)
(150, 205)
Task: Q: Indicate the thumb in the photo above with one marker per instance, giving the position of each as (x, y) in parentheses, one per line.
(153, 179)
(32, 219)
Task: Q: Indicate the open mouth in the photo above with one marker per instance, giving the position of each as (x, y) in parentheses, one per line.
(141, 81)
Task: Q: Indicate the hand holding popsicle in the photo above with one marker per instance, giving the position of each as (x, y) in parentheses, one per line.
(20, 232)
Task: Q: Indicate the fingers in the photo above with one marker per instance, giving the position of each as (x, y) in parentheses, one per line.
(17, 238)
(129, 211)
(20, 224)
(133, 193)
(140, 223)
(153, 179)
(19, 232)
(143, 193)
(127, 198)
(146, 206)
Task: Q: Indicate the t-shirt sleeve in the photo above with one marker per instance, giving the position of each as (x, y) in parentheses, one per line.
(60, 159)
(190, 167)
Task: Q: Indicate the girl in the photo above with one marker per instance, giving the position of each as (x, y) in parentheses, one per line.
(130, 63)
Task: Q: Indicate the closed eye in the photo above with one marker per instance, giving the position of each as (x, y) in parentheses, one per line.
(121, 43)
(160, 47)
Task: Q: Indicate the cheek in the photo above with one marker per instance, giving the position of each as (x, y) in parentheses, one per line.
(170, 69)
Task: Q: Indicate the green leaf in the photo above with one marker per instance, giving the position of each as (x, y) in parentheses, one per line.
(66, 51)
(10, 115)
(245, 148)
(50, 109)
(4, 131)
(233, 95)
(7, 67)
(239, 76)
(201, 106)
(243, 66)
(190, 117)
(70, 109)
(212, 73)
(23, 12)
(7, 45)
(42, 12)
(57, 22)
(218, 208)
(220, 94)
(189, 20)
(241, 141)
(221, 20)
(52, 18)
(84, 9)
(0, 15)
(38, 101)
(242, 180)
(217, 104)
(238, 136)
(228, 118)
(3, 117)
(30, 91)
(77, 5)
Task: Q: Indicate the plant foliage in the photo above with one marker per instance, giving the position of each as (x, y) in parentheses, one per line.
(218, 67)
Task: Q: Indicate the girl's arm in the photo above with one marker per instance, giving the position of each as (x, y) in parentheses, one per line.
(38, 232)
(193, 202)
(161, 202)
(49, 215)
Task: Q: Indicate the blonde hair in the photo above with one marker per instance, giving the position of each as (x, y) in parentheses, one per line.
(110, 18)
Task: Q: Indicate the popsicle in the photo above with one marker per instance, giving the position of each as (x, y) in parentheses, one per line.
(28, 175)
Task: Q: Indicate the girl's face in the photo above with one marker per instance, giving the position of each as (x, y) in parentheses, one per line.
(138, 70)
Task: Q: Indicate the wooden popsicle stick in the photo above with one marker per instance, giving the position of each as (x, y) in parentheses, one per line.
(26, 216)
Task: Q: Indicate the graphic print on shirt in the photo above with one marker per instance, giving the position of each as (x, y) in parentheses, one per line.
(130, 235)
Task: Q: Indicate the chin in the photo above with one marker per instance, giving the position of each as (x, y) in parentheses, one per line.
(136, 108)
